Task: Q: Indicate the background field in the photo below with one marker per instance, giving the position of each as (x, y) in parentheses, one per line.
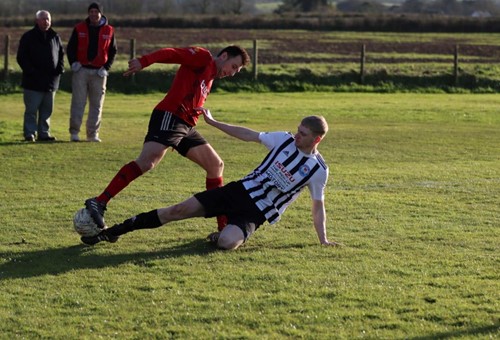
(414, 194)
(301, 60)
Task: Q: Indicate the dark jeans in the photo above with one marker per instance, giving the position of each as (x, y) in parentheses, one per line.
(41, 103)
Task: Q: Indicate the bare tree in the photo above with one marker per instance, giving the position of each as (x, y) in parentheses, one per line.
(302, 5)
(235, 7)
(197, 6)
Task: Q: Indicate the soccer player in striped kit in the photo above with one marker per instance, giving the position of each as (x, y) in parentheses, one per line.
(173, 121)
(292, 164)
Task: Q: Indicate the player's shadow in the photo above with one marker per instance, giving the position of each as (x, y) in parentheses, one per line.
(62, 260)
(488, 332)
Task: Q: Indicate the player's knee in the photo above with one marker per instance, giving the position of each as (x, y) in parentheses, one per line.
(226, 243)
(150, 165)
(145, 165)
(148, 160)
(230, 238)
(216, 168)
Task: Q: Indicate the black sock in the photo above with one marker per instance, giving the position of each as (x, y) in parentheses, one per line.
(147, 220)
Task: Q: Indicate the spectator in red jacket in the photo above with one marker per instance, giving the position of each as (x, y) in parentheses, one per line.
(91, 52)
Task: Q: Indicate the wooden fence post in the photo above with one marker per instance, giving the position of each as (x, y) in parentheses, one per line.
(254, 61)
(362, 65)
(132, 56)
(6, 58)
(455, 66)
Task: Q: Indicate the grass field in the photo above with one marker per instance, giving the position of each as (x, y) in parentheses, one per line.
(414, 194)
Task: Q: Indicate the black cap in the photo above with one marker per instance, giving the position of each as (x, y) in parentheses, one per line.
(96, 6)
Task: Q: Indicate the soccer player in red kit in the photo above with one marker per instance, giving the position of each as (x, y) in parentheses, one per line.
(173, 121)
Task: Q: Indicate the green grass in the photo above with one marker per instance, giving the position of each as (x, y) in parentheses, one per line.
(414, 194)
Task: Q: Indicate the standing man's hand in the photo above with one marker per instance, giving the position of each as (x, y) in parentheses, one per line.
(134, 66)
(76, 66)
(102, 72)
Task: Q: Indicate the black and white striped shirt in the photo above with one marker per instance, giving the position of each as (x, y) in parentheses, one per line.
(285, 171)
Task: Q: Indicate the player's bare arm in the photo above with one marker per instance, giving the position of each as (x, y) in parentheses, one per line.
(319, 218)
(134, 66)
(240, 132)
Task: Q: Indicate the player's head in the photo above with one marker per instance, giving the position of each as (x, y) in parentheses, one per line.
(317, 125)
(235, 51)
(231, 60)
(310, 132)
(43, 20)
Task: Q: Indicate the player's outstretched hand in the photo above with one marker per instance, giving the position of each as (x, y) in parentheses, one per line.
(206, 114)
(134, 66)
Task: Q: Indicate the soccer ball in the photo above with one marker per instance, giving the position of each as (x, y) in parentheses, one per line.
(84, 224)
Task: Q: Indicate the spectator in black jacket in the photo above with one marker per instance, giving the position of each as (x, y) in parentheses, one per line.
(41, 57)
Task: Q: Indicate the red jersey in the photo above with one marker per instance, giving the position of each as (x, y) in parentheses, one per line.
(192, 82)
(105, 39)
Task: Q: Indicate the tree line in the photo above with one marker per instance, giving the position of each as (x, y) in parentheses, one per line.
(128, 7)
(13, 8)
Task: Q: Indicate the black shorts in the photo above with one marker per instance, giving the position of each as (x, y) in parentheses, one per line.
(233, 201)
(171, 131)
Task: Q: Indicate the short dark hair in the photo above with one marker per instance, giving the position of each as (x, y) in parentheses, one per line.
(317, 125)
(95, 5)
(234, 51)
